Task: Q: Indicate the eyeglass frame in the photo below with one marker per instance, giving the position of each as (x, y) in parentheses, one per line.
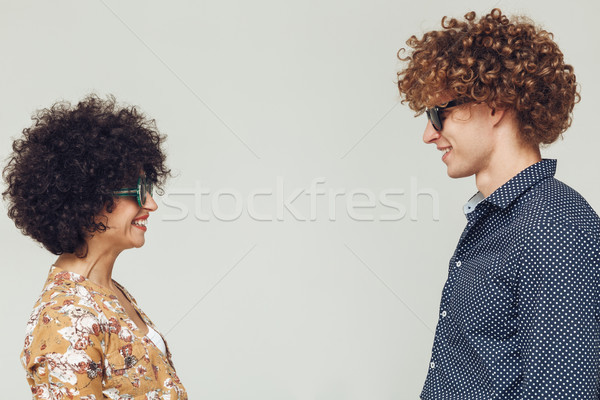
(434, 113)
(137, 192)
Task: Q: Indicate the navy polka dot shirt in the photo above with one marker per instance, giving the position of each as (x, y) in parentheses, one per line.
(519, 316)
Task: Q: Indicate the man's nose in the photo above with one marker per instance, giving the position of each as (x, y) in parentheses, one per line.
(430, 134)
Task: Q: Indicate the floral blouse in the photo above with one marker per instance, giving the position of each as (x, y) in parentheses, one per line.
(80, 344)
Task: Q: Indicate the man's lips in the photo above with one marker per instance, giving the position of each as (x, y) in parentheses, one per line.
(446, 150)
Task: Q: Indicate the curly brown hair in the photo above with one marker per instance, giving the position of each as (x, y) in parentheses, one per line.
(65, 168)
(504, 64)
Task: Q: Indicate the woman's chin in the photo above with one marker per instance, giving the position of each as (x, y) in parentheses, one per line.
(134, 243)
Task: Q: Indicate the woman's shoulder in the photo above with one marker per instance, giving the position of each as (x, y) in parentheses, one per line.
(70, 301)
(57, 306)
(64, 286)
(67, 299)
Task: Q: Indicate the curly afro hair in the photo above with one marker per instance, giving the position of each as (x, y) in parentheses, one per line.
(64, 169)
(504, 64)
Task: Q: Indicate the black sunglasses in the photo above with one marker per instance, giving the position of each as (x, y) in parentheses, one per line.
(434, 114)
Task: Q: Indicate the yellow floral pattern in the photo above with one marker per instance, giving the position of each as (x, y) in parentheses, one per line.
(80, 344)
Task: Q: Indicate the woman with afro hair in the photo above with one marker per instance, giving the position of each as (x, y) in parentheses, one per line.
(79, 181)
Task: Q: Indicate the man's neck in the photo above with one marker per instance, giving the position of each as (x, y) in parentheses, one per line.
(507, 162)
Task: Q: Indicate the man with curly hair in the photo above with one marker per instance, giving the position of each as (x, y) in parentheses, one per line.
(520, 311)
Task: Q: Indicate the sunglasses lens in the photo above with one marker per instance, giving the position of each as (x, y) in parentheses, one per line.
(143, 192)
(434, 117)
(145, 189)
(148, 190)
(140, 192)
(435, 120)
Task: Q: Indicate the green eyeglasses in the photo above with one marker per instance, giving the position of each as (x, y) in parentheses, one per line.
(144, 187)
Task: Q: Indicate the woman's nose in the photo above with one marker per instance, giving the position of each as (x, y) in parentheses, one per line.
(150, 204)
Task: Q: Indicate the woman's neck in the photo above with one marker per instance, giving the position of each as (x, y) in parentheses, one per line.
(96, 266)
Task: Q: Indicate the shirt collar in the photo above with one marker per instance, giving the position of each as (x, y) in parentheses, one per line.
(516, 186)
(472, 203)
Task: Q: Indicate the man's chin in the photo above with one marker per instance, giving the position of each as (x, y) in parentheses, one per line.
(454, 174)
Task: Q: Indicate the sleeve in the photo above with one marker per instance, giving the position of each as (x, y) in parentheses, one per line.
(63, 355)
(558, 325)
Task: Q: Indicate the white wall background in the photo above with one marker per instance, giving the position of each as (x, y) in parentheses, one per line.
(248, 92)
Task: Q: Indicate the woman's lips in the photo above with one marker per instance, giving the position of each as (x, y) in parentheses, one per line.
(140, 223)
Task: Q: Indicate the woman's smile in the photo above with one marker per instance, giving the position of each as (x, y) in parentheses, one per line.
(141, 222)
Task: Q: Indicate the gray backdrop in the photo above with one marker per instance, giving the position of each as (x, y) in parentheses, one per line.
(264, 295)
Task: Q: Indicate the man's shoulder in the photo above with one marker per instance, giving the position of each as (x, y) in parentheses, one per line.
(552, 202)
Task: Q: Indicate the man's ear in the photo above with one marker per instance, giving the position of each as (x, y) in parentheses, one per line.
(497, 114)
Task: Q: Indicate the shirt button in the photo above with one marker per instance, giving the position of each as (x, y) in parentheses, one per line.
(444, 313)
(432, 365)
(458, 263)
